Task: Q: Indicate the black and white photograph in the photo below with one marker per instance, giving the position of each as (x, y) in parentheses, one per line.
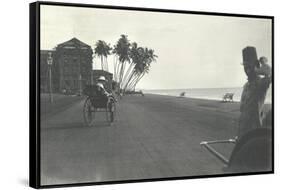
(143, 94)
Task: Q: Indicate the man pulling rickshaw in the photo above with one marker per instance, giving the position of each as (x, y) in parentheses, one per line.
(253, 142)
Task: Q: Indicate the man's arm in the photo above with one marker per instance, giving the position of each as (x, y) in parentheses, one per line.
(264, 82)
(102, 89)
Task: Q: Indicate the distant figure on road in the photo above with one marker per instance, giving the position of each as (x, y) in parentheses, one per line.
(253, 95)
(228, 97)
(182, 94)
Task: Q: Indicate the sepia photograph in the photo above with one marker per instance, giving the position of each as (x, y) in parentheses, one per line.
(131, 95)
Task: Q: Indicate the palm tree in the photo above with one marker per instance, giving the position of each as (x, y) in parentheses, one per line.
(121, 49)
(134, 59)
(131, 62)
(139, 77)
(102, 50)
(146, 57)
(140, 70)
(138, 57)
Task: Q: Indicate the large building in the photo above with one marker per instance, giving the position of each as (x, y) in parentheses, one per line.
(71, 67)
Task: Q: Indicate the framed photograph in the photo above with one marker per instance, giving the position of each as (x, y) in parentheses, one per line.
(126, 94)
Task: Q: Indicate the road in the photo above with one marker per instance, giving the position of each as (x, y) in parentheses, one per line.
(152, 137)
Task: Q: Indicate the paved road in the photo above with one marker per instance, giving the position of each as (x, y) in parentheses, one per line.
(152, 137)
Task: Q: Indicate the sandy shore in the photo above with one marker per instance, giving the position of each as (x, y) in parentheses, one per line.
(153, 137)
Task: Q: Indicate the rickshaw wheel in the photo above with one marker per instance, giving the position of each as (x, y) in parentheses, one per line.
(88, 112)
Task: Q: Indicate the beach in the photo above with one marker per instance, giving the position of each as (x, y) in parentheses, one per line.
(154, 136)
(207, 93)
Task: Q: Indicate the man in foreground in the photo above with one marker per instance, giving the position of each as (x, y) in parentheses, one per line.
(254, 93)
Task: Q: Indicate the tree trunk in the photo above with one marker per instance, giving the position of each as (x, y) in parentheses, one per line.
(118, 71)
(138, 80)
(129, 79)
(133, 80)
(121, 73)
(106, 64)
(114, 69)
(130, 71)
(101, 62)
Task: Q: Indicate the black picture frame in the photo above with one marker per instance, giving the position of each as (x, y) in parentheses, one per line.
(34, 82)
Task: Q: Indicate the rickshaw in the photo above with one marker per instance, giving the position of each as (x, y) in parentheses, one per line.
(96, 102)
(251, 153)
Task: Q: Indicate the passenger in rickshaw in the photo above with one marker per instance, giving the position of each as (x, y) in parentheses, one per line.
(102, 93)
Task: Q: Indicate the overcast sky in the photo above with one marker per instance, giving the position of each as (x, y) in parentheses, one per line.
(194, 51)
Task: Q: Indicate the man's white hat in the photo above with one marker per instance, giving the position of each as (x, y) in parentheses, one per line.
(102, 78)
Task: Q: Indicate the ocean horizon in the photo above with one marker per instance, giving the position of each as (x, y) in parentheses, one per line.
(206, 93)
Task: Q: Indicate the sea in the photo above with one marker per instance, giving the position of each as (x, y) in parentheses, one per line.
(207, 93)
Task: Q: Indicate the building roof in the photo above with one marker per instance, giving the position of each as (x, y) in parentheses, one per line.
(74, 43)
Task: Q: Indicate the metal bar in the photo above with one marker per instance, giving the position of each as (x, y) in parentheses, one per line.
(219, 141)
(215, 153)
(98, 111)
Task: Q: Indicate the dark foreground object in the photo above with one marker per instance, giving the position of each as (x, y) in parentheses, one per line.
(252, 152)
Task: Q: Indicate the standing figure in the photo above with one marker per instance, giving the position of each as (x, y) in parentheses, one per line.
(254, 91)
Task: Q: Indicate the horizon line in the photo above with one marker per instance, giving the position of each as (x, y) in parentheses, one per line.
(187, 88)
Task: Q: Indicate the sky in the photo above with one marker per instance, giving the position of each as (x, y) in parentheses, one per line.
(194, 51)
